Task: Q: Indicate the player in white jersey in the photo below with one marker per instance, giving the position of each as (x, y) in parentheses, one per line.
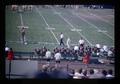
(81, 42)
(76, 48)
(61, 38)
(68, 42)
(98, 46)
(57, 58)
(105, 48)
(48, 56)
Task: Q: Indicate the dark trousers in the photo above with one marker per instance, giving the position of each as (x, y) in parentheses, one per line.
(61, 42)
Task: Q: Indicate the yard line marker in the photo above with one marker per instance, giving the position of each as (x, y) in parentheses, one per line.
(102, 31)
(50, 28)
(92, 25)
(73, 27)
(47, 24)
(76, 30)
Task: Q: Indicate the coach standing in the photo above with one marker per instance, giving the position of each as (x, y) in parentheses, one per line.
(10, 57)
(10, 54)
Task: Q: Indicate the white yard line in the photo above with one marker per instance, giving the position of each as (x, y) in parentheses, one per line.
(21, 19)
(47, 24)
(92, 25)
(73, 27)
(47, 43)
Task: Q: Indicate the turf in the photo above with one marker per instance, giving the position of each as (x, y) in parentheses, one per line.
(38, 35)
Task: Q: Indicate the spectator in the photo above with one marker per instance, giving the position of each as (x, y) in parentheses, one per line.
(98, 46)
(77, 75)
(86, 58)
(97, 73)
(81, 50)
(92, 75)
(105, 48)
(44, 51)
(76, 48)
(81, 72)
(110, 74)
(72, 73)
(48, 56)
(10, 54)
(59, 74)
(44, 74)
(104, 73)
(37, 52)
(6, 51)
(85, 75)
(57, 58)
(110, 53)
(101, 52)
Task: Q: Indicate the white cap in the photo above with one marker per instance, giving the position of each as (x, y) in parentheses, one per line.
(98, 45)
(76, 48)
(98, 53)
(6, 49)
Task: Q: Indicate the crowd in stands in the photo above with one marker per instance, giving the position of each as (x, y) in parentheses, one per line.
(48, 72)
(78, 51)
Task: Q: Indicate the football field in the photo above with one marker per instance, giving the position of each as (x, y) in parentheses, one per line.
(96, 26)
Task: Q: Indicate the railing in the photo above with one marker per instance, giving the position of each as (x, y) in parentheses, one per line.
(33, 55)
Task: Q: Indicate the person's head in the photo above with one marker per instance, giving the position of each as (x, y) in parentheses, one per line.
(48, 49)
(104, 72)
(45, 68)
(11, 49)
(91, 71)
(110, 71)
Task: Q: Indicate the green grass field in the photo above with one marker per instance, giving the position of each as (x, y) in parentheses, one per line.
(89, 21)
